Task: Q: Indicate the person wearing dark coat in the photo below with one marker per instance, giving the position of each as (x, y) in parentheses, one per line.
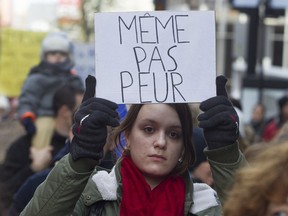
(23, 160)
(56, 68)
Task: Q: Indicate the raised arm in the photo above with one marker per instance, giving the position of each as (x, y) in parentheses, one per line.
(220, 125)
(64, 185)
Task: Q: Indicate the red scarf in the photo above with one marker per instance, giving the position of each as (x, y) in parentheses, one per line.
(138, 199)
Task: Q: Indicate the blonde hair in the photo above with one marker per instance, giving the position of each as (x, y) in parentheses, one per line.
(265, 180)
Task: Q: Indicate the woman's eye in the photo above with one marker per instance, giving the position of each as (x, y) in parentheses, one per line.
(174, 135)
(148, 129)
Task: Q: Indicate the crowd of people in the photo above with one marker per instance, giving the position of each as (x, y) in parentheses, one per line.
(83, 155)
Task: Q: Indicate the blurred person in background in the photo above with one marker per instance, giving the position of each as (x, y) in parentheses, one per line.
(10, 127)
(281, 136)
(261, 189)
(23, 159)
(35, 101)
(274, 125)
(257, 124)
(258, 121)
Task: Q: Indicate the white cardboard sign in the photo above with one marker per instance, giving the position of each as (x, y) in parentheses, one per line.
(155, 57)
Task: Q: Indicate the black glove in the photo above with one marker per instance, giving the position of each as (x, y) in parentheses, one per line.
(91, 121)
(219, 121)
(29, 125)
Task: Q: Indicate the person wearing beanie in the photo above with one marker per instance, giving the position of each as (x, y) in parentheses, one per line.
(274, 125)
(35, 102)
(58, 43)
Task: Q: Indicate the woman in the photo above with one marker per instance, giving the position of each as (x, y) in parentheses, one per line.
(151, 178)
(261, 189)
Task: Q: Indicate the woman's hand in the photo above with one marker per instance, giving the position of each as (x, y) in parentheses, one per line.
(219, 119)
(91, 121)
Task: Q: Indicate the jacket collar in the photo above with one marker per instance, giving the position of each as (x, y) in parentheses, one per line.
(105, 185)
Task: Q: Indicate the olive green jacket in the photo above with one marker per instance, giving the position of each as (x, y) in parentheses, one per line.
(70, 191)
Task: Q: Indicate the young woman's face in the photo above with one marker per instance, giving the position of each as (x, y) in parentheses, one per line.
(156, 142)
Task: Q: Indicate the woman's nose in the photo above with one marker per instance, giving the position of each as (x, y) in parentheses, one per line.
(160, 141)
